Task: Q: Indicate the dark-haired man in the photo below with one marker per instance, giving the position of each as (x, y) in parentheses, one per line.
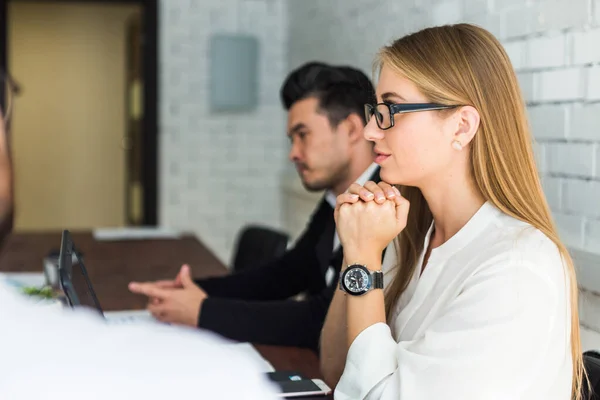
(325, 126)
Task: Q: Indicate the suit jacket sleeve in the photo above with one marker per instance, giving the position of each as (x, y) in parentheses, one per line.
(296, 271)
(282, 323)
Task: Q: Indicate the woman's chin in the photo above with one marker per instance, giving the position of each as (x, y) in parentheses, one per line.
(395, 177)
(389, 176)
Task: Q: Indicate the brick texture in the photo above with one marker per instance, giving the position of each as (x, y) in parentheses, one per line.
(219, 172)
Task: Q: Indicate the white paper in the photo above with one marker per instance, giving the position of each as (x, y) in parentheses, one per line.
(19, 280)
(144, 316)
(130, 316)
(24, 279)
(137, 233)
(250, 352)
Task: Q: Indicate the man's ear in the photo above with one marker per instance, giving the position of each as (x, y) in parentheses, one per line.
(354, 126)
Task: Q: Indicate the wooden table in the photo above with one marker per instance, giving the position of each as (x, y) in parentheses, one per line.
(113, 264)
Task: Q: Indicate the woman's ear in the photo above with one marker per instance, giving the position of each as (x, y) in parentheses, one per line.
(467, 124)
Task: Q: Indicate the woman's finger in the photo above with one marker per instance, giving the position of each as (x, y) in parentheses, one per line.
(346, 198)
(398, 199)
(388, 189)
(378, 193)
(365, 195)
(402, 207)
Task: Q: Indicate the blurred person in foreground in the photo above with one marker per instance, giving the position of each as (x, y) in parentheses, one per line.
(49, 353)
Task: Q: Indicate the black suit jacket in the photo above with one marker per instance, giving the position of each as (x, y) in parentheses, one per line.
(254, 305)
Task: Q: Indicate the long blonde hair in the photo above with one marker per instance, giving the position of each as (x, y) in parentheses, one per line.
(465, 64)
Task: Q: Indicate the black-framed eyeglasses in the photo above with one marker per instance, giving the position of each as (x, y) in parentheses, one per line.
(384, 112)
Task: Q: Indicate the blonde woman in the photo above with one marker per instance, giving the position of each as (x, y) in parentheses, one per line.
(476, 298)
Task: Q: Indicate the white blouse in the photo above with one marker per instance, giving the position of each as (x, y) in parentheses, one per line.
(489, 318)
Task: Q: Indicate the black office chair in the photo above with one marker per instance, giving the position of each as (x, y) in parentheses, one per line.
(257, 245)
(591, 361)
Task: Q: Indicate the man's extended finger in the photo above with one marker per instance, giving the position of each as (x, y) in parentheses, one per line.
(167, 284)
(149, 289)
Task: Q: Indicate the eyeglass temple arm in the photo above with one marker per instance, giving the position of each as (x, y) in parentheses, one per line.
(404, 107)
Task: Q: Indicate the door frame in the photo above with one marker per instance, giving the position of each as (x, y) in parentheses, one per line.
(150, 93)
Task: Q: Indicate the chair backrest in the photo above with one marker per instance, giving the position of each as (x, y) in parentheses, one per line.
(591, 361)
(256, 245)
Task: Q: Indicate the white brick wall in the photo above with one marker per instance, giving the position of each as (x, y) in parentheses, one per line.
(517, 51)
(546, 52)
(548, 121)
(585, 122)
(593, 84)
(555, 48)
(577, 197)
(571, 228)
(585, 46)
(446, 11)
(559, 85)
(575, 159)
(560, 14)
(219, 171)
(517, 19)
(592, 236)
(553, 188)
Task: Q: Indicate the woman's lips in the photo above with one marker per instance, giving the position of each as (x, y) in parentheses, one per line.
(380, 157)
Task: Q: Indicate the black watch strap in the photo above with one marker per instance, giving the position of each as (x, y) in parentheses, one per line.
(377, 277)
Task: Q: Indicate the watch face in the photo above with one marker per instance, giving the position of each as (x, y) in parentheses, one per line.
(356, 280)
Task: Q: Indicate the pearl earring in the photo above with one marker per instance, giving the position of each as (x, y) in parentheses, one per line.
(457, 145)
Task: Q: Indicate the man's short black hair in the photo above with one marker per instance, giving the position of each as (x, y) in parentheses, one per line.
(340, 90)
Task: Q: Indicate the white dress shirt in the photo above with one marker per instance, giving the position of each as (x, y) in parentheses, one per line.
(59, 354)
(489, 318)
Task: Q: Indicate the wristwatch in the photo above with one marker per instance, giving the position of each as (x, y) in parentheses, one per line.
(358, 280)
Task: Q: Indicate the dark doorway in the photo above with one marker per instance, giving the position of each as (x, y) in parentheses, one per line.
(141, 194)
